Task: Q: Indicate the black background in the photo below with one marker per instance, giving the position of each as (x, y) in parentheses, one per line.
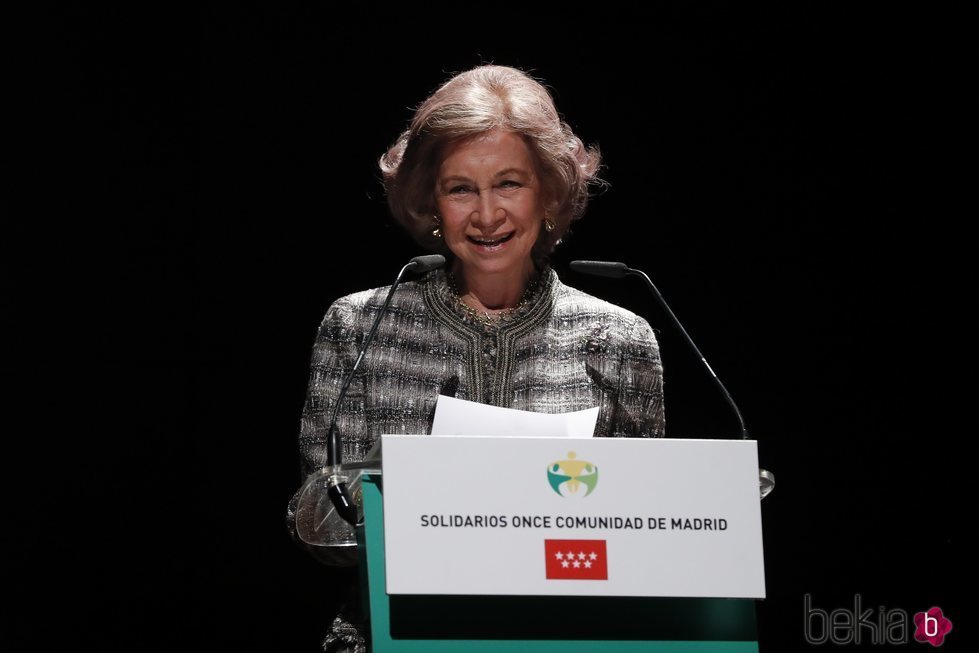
(200, 190)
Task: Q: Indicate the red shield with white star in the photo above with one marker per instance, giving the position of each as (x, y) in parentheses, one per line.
(576, 559)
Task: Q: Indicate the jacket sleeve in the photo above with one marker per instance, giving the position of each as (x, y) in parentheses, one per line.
(334, 353)
(639, 408)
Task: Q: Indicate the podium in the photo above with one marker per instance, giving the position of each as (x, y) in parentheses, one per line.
(438, 602)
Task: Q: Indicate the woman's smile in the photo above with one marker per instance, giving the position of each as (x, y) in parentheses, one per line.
(490, 244)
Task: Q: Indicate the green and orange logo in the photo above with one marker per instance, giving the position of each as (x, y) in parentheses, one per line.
(567, 476)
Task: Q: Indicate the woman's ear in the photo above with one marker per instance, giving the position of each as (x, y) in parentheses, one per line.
(550, 202)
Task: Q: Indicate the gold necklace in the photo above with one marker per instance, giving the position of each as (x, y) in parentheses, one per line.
(485, 317)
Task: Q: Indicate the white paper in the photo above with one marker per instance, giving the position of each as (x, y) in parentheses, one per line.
(460, 417)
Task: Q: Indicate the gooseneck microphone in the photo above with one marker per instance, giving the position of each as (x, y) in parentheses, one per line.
(336, 485)
(616, 270)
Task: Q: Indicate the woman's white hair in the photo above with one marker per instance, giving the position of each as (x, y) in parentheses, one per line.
(473, 103)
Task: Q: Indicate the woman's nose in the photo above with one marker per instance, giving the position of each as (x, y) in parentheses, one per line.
(488, 214)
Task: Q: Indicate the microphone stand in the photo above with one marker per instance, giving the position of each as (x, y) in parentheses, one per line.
(690, 342)
(617, 270)
(336, 483)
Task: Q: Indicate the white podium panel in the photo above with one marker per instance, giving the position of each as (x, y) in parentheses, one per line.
(574, 517)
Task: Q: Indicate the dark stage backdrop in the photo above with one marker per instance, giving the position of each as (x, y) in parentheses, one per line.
(784, 176)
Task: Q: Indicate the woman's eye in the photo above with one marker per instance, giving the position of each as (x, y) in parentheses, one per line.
(458, 190)
(509, 183)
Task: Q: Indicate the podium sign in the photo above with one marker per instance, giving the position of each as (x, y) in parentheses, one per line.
(572, 517)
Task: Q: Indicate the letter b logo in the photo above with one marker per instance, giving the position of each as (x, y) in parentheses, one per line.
(932, 626)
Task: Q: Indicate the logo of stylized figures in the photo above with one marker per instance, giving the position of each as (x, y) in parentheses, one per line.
(567, 476)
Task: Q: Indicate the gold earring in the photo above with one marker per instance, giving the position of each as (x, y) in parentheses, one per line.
(549, 224)
(437, 231)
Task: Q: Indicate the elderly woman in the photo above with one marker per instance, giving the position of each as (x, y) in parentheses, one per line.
(489, 175)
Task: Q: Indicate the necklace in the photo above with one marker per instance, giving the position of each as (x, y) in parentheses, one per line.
(485, 317)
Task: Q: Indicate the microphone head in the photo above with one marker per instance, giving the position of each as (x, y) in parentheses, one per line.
(610, 269)
(427, 263)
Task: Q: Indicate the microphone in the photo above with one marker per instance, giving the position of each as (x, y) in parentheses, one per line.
(336, 484)
(615, 270)
(609, 269)
(423, 264)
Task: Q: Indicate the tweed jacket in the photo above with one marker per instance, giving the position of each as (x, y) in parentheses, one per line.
(562, 350)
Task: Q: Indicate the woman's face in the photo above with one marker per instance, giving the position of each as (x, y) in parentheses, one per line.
(489, 196)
